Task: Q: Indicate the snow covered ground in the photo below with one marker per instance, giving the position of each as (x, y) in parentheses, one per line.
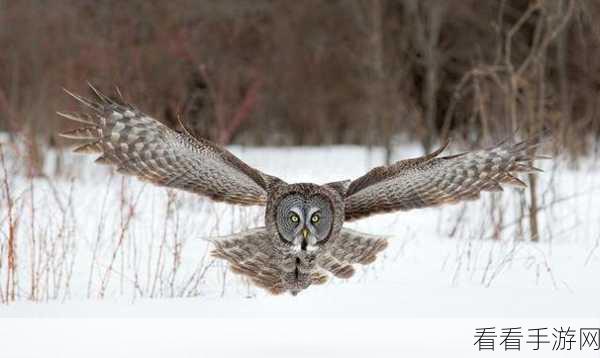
(96, 245)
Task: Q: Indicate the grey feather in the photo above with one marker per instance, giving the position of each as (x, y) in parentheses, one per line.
(431, 180)
(141, 146)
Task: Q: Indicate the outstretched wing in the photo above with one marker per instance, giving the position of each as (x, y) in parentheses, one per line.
(247, 254)
(142, 146)
(431, 180)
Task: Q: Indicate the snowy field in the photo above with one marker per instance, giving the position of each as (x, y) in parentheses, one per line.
(97, 245)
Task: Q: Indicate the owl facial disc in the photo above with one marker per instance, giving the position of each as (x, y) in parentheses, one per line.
(304, 222)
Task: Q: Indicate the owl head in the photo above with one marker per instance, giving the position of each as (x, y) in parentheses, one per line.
(306, 217)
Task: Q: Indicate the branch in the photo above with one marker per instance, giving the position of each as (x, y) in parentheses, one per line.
(546, 42)
(243, 112)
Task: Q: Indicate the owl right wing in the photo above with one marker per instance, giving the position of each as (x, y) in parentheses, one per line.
(139, 145)
(431, 180)
(248, 254)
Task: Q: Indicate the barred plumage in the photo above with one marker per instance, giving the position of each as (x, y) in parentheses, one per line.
(303, 238)
(355, 247)
(252, 254)
(141, 146)
(431, 180)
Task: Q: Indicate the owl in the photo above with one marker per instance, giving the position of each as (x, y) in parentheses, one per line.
(304, 240)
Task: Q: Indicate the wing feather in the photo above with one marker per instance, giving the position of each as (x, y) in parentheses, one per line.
(351, 247)
(139, 145)
(336, 267)
(249, 254)
(431, 180)
(356, 247)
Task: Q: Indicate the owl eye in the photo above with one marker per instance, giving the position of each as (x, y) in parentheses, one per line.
(294, 218)
(315, 218)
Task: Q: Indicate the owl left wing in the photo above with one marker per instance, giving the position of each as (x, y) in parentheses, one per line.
(431, 180)
(355, 247)
(352, 247)
(140, 145)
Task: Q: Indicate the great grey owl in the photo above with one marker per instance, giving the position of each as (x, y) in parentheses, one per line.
(303, 237)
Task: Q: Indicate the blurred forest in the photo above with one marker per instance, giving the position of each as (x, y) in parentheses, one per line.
(376, 73)
(286, 72)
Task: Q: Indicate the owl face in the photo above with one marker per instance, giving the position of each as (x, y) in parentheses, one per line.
(304, 222)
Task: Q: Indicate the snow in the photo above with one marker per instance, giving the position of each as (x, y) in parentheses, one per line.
(96, 245)
(265, 338)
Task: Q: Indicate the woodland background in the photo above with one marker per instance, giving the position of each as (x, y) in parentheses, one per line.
(386, 79)
(262, 72)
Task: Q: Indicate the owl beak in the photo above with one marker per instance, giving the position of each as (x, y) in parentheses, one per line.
(305, 233)
(304, 243)
(308, 241)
